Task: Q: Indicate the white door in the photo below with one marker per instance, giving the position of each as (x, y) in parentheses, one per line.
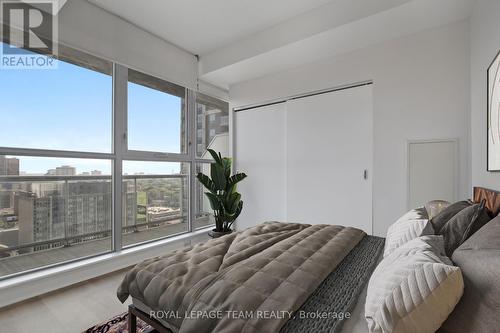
(329, 150)
(432, 171)
(260, 152)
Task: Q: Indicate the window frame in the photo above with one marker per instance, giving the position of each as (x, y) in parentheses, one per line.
(120, 152)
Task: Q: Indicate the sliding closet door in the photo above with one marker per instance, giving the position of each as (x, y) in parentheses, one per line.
(260, 152)
(329, 158)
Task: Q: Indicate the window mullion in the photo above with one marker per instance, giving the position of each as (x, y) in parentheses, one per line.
(136, 155)
(120, 79)
(53, 153)
(191, 118)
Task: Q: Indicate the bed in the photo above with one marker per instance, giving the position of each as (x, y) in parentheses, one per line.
(256, 280)
(275, 277)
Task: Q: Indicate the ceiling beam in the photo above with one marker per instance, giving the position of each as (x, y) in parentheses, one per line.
(336, 28)
(315, 21)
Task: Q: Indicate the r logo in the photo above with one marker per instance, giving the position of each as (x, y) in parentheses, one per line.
(29, 32)
(28, 25)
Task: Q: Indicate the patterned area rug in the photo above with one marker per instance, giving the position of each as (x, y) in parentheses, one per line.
(337, 294)
(119, 324)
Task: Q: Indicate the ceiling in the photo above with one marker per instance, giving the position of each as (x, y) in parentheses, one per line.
(201, 26)
(239, 40)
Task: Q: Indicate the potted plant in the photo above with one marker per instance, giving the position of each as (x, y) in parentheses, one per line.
(224, 200)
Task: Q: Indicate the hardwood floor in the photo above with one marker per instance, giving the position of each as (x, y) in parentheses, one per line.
(72, 309)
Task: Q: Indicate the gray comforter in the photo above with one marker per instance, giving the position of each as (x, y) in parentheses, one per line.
(252, 281)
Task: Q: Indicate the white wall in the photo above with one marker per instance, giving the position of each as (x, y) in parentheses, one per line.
(421, 91)
(485, 43)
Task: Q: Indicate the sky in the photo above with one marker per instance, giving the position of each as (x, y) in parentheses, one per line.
(70, 108)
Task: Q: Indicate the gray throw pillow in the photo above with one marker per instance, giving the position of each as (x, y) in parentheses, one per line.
(479, 261)
(447, 213)
(461, 226)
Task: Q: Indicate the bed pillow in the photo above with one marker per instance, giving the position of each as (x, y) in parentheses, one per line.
(446, 214)
(411, 225)
(414, 289)
(461, 226)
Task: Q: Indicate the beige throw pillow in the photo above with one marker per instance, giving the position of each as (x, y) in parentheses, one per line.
(414, 289)
(409, 226)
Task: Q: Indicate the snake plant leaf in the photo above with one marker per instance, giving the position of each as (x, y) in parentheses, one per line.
(233, 180)
(218, 176)
(226, 162)
(238, 210)
(232, 202)
(230, 191)
(215, 156)
(214, 201)
(207, 182)
(234, 216)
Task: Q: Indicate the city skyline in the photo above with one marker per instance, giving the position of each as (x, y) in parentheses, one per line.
(129, 168)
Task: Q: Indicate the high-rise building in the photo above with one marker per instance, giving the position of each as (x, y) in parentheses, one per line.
(9, 166)
(13, 166)
(65, 170)
(212, 119)
(63, 211)
(3, 165)
(5, 199)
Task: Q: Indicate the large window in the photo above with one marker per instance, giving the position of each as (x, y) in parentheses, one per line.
(95, 157)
